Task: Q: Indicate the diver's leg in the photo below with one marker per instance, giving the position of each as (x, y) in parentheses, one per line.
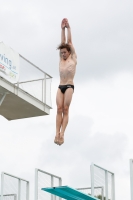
(59, 103)
(67, 100)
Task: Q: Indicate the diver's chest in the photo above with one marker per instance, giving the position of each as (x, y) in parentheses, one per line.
(66, 66)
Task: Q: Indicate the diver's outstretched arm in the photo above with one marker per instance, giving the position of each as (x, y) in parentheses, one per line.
(63, 37)
(69, 39)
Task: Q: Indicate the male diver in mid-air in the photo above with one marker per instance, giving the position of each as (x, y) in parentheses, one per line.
(67, 68)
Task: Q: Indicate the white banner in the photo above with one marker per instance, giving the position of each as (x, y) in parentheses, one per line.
(9, 63)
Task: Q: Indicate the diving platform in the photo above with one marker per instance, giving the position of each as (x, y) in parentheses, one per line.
(16, 103)
(25, 89)
(68, 193)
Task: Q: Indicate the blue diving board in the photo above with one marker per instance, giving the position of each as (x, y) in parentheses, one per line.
(68, 193)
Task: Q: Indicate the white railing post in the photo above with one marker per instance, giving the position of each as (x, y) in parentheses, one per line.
(28, 191)
(15, 197)
(92, 179)
(36, 184)
(113, 187)
(2, 185)
(52, 183)
(42, 90)
(19, 189)
(60, 184)
(45, 88)
(102, 192)
(131, 178)
(106, 184)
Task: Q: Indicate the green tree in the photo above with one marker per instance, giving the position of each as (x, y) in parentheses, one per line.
(100, 197)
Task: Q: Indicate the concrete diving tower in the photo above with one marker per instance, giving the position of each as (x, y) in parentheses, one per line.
(29, 96)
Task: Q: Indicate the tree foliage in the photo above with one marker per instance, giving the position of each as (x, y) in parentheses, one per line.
(100, 197)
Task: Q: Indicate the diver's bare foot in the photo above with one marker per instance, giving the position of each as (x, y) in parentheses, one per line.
(57, 137)
(61, 139)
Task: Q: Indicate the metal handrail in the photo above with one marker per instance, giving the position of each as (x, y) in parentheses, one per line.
(35, 66)
(41, 79)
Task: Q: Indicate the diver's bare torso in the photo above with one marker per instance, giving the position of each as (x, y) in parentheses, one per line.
(67, 69)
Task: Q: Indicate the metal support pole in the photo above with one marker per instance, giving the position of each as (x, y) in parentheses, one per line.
(131, 178)
(50, 93)
(60, 184)
(54, 197)
(102, 192)
(36, 184)
(19, 189)
(113, 187)
(52, 183)
(44, 90)
(15, 197)
(27, 191)
(2, 185)
(92, 179)
(106, 184)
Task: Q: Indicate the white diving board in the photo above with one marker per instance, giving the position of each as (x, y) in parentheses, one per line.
(68, 193)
